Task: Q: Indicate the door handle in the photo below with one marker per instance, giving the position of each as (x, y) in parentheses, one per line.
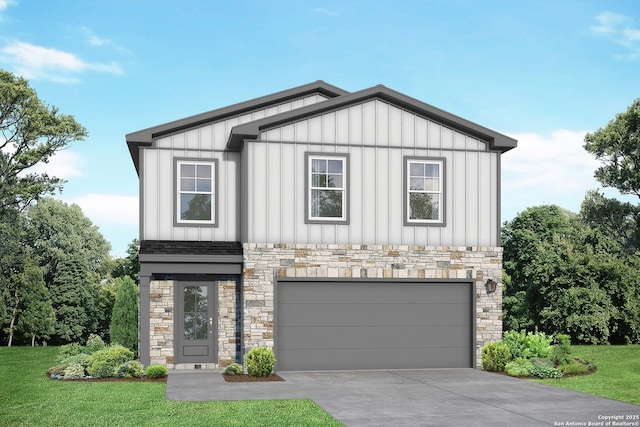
(211, 325)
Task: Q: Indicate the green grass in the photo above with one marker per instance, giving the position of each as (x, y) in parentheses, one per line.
(617, 377)
(28, 397)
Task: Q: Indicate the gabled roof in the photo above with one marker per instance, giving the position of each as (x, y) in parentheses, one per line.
(251, 130)
(145, 137)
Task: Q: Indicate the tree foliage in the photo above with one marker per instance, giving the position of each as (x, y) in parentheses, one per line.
(124, 318)
(32, 133)
(617, 146)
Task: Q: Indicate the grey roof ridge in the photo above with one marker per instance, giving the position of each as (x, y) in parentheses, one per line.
(145, 137)
(251, 130)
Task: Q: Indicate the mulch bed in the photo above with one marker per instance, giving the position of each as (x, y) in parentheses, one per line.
(244, 378)
(120, 380)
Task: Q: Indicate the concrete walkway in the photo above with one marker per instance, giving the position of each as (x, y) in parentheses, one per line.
(447, 397)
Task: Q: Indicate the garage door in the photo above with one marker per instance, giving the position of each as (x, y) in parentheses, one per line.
(333, 325)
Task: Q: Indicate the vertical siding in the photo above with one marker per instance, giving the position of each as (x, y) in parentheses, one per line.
(377, 137)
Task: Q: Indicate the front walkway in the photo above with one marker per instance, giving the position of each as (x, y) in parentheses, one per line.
(455, 397)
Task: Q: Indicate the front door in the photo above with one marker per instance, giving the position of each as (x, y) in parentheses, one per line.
(196, 323)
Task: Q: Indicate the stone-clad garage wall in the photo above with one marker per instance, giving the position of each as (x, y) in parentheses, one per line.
(264, 263)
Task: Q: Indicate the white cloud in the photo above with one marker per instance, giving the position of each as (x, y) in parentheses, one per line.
(323, 11)
(64, 164)
(547, 169)
(108, 208)
(34, 62)
(93, 39)
(621, 30)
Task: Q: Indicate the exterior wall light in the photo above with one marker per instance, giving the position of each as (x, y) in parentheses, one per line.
(491, 285)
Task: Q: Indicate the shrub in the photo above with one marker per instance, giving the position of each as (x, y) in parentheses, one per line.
(520, 367)
(260, 362)
(103, 363)
(78, 359)
(561, 350)
(234, 369)
(71, 350)
(543, 368)
(95, 343)
(74, 371)
(131, 369)
(123, 328)
(495, 356)
(528, 345)
(157, 371)
(57, 370)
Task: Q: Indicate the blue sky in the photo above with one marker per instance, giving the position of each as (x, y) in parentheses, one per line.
(545, 72)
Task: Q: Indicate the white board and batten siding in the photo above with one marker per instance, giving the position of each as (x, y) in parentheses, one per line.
(377, 136)
(206, 142)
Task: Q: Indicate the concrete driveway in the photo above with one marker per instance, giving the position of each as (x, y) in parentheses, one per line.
(443, 397)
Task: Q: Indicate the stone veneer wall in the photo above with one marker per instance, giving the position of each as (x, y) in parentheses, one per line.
(264, 262)
(161, 322)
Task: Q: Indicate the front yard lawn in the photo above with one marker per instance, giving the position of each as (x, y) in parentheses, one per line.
(617, 377)
(28, 397)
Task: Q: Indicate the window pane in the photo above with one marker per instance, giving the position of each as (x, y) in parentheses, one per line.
(187, 170)
(416, 169)
(335, 181)
(423, 206)
(432, 170)
(335, 166)
(187, 184)
(204, 171)
(195, 312)
(200, 326)
(319, 165)
(432, 184)
(196, 207)
(326, 203)
(318, 180)
(204, 185)
(416, 184)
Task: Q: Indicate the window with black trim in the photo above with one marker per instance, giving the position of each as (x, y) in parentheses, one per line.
(195, 192)
(327, 188)
(424, 189)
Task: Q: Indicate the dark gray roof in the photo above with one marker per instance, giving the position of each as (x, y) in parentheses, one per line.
(251, 130)
(146, 136)
(167, 247)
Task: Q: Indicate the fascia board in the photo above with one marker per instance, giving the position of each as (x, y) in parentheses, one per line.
(251, 130)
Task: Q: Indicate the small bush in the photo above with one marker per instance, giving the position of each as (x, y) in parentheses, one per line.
(157, 371)
(131, 369)
(103, 363)
(543, 368)
(71, 350)
(495, 356)
(77, 359)
(520, 367)
(234, 369)
(57, 370)
(95, 343)
(260, 362)
(528, 345)
(561, 350)
(74, 371)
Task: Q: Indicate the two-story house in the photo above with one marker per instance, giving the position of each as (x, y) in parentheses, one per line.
(345, 230)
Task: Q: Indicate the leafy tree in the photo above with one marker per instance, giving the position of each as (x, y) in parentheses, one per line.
(37, 317)
(32, 133)
(73, 300)
(617, 145)
(124, 318)
(106, 299)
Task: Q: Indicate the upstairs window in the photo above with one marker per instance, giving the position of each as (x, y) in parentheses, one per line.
(424, 191)
(326, 189)
(195, 198)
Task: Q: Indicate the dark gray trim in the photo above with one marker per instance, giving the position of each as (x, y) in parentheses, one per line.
(141, 192)
(145, 137)
(405, 213)
(251, 130)
(307, 219)
(149, 268)
(143, 320)
(499, 199)
(176, 202)
(191, 259)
